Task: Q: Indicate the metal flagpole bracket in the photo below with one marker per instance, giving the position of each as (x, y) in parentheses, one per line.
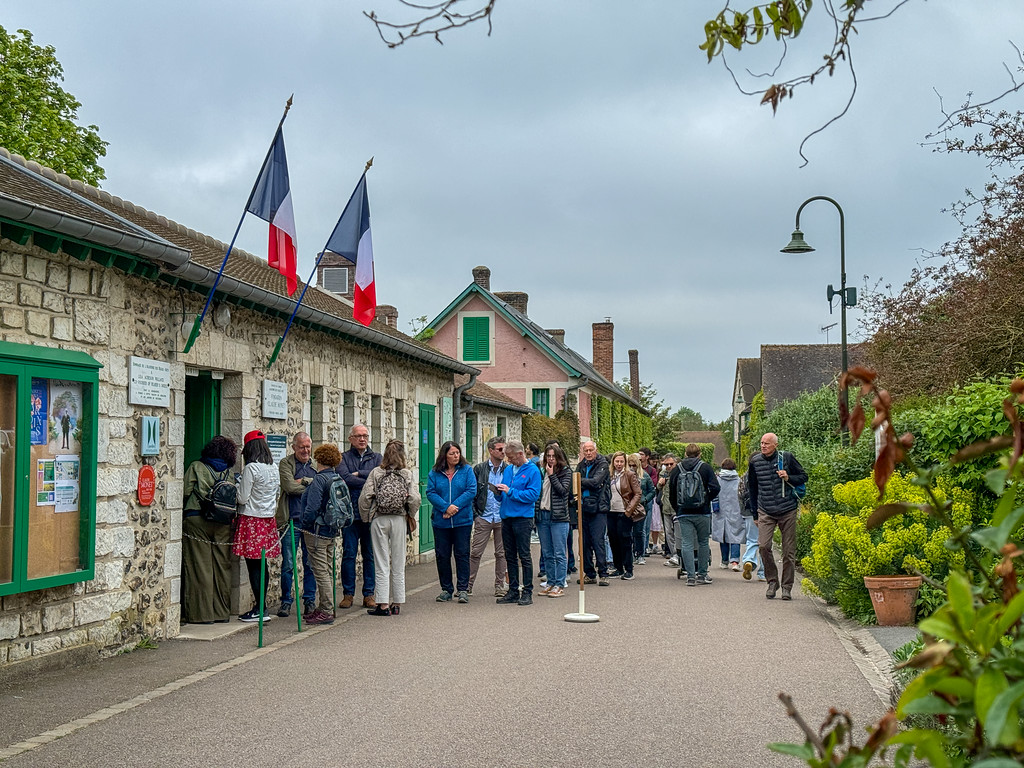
(581, 616)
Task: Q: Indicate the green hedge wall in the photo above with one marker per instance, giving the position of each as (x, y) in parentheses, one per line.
(615, 426)
(564, 427)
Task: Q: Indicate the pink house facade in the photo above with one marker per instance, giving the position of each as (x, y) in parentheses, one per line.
(518, 358)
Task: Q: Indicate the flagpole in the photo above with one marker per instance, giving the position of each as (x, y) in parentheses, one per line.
(209, 297)
(280, 342)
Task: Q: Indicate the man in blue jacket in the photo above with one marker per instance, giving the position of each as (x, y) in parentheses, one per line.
(520, 488)
(355, 467)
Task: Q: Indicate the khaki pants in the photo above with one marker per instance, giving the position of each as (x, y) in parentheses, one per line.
(321, 558)
(387, 536)
(482, 532)
(206, 570)
(765, 531)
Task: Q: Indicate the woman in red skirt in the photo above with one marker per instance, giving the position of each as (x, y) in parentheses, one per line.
(257, 502)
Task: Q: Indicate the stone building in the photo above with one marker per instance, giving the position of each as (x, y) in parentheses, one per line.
(96, 300)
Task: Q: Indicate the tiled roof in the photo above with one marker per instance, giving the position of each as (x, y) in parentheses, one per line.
(790, 370)
(44, 187)
(490, 396)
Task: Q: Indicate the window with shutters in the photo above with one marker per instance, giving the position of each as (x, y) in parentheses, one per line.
(540, 401)
(476, 339)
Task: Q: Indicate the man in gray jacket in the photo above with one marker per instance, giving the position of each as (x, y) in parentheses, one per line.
(297, 472)
(771, 477)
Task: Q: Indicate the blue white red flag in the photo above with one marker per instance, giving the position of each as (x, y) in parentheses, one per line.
(271, 200)
(351, 239)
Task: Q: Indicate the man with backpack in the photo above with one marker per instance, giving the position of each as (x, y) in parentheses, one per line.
(692, 487)
(355, 466)
(775, 480)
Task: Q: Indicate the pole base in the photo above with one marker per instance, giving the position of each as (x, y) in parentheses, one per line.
(582, 618)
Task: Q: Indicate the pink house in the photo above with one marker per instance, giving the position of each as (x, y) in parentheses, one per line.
(527, 363)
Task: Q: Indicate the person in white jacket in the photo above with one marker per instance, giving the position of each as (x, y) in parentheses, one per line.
(256, 530)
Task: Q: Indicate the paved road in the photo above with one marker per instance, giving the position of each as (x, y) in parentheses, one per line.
(671, 675)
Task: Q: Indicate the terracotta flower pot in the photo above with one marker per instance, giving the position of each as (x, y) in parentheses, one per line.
(893, 598)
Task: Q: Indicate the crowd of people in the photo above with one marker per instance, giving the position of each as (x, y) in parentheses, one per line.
(631, 507)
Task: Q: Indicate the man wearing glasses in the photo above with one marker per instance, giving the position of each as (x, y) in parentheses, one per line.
(355, 467)
(487, 515)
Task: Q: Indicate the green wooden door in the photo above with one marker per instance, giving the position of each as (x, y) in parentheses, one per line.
(202, 413)
(426, 462)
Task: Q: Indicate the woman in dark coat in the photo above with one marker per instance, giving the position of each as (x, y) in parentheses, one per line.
(553, 519)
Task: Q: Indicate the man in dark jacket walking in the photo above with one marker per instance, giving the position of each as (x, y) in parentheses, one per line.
(693, 520)
(596, 498)
(355, 467)
(771, 477)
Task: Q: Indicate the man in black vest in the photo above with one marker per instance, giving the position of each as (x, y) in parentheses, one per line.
(773, 496)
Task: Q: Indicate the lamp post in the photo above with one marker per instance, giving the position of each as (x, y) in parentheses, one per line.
(847, 296)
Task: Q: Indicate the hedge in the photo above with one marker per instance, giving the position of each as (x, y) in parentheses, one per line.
(615, 426)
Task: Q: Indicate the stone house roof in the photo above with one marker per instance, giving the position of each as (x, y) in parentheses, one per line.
(790, 370)
(62, 213)
(485, 395)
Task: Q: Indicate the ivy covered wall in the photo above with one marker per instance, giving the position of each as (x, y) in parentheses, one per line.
(615, 426)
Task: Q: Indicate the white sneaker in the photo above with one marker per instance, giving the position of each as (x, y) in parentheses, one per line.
(641, 561)
(672, 562)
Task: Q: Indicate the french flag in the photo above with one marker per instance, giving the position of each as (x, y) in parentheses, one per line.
(271, 200)
(351, 239)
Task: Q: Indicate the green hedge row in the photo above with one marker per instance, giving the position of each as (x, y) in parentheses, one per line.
(615, 426)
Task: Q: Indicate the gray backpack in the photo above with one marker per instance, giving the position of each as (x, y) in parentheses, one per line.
(391, 493)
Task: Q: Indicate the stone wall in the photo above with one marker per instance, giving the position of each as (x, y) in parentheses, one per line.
(55, 300)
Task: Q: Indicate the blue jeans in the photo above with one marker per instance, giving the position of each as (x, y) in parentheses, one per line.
(730, 552)
(594, 529)
(354, 538)
(553, 556)
(447, 541)
(694, 534)
(288, 569)
(751, 554)
(647, 529)
(570, 537)
(640, 536)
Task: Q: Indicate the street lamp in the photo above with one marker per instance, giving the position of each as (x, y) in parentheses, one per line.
(847, 296)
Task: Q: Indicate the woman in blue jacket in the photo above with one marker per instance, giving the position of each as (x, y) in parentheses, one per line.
(451, 488)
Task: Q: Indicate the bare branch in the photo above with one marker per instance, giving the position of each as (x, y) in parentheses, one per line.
(432, 19)
(948, 122)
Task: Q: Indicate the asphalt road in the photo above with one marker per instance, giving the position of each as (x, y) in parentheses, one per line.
(671, 675)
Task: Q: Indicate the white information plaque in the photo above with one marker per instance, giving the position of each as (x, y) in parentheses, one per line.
(275, 399)
(149, 382)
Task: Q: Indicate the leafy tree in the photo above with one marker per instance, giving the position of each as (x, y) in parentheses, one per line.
(689, 420)
(959, 317)
(37, 116)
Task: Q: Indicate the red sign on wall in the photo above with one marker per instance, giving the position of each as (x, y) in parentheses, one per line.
(147, 485)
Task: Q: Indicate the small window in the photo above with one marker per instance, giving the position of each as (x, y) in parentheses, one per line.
(400, 420)
(470, 437)
(375, 423)
(540, 401)
(316, 414)
(501, 426)
(476, 339)
(348, 413)
(336, 280)
(48, 409)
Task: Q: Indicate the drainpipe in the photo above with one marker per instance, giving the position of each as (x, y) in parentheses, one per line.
(457, 406)
(584, 380)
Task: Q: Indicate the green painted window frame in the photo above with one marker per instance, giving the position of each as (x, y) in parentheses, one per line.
(26, 362)
(542, 401)
(470, 436)
(476, 339)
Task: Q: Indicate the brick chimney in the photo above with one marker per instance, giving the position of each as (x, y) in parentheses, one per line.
(482, 277)
(337, 274)
(515, 299)
(604, 352)
(558, 334)
(388, 315)
(634, 374)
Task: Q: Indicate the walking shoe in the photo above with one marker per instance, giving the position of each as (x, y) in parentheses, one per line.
(724, 565)
(378, 611)
(691, 582)
(500, 591)
(369, 602)
(508, 598)
(640, 561)
(772, 589)
(346, 601)
(308, 609)
(526, 599)
(628, 576)
(748, 570)
(444, 597)
(735, 565)
(545, 588)
(602, 581)
(463, 597)
(787, 593)
(614, 573)
(285, 610)
(544, 583)
(320, 617)
(573, 569)
(705, 579)
(469, 591)
(250, 616)
(673, 562)
(556, 592)
(589, 580)
(542, 576)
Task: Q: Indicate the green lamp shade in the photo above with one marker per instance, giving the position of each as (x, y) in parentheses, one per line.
(797, 244)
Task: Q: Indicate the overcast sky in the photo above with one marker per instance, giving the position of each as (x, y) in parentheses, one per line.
(586, 152)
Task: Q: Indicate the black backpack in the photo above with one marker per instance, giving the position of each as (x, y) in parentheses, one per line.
(690, 494)
(220, 505)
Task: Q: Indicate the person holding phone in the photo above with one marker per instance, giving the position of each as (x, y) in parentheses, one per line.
(487, 515)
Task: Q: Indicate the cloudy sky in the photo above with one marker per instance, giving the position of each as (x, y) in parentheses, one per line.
(586, 152)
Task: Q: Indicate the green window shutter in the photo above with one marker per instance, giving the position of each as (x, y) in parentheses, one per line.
(540, 401)
(476, 339)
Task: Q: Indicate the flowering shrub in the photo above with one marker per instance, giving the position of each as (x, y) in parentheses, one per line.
(844, 551)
